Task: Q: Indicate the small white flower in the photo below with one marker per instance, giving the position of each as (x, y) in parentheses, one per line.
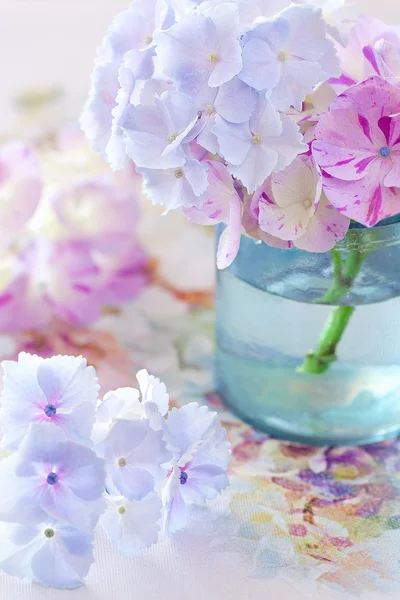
(134, 455)
(131, 526)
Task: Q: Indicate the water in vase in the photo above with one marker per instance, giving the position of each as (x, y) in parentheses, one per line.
(263, 338)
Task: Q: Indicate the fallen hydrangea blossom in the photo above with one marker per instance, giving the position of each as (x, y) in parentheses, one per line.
(145, 468)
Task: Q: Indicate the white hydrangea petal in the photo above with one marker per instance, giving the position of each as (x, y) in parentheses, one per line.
(153, 390)
(131, 526)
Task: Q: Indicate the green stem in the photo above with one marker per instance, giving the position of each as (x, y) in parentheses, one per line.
(319, 360)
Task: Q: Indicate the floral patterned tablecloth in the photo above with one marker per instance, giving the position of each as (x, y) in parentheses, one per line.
(297, 522)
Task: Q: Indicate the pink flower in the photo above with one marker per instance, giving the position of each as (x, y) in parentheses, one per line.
(98, 211)
(290, 207)
(367, 32)
(358, 148)
(50, 279)
(20, 189)
(222, 206)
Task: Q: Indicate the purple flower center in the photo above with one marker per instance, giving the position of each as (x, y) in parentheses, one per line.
(384, 151)
(183, 478)
(52, 478)
(50, 410)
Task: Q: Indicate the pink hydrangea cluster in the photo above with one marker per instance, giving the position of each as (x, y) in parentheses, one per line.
(67, 242)
(278, 119)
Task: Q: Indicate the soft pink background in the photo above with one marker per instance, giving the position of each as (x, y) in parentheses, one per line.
(52, 42)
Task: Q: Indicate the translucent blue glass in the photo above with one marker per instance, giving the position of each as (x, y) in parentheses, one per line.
(273, 305)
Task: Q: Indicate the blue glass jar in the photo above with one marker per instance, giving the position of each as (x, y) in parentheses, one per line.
(309, 344)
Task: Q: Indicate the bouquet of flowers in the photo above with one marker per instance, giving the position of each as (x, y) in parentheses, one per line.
(280, 120)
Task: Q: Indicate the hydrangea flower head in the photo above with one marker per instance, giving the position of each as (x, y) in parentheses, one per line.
(248, 86)
(60, 391)
(358, 147)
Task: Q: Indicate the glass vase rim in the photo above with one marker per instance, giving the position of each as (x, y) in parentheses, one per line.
(383, 234)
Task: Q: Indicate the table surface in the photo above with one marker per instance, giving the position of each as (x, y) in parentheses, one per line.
(297, 522)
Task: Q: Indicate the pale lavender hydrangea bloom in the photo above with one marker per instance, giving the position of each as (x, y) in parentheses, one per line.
(131, 526)
(201, 454)
(50, 476)
(134, 455)
(288, 54)
(60, 391)
(131, 29)
(50, 553)
(268, 143)
(209, 43)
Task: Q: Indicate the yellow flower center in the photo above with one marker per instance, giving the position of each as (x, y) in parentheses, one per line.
(178, 173)
(122, 462)
(122, 510)
(210, 109)
(256, 139)
(172, 137)
(213, 57)
(308, 203)
(282, 56)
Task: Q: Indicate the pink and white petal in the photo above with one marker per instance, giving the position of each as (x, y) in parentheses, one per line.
(326, 228)
(229, 242)
(392, 179)
(367, 201)
(287, 223)
(344, 146)
(298, 183)
(372, 98)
